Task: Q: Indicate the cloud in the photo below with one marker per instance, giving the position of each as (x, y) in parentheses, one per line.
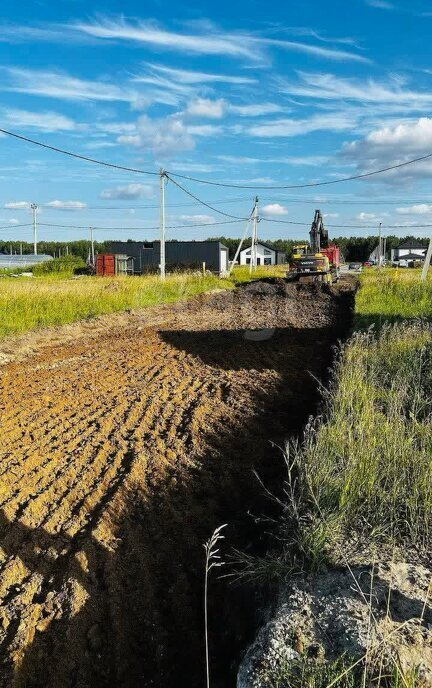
(17, 205)
(165, 135)
(43, 121)
(64, 87)
(392, 145)
(14, 221)
(66, 205)
(370, 217)
(380, 4)
(315, 50)
(198, 219)
(323, 86)
(185, 76)
(150, 33)
(204, 107)
(210, 41)
(296, 127)
(274, 209)
(307, 160)
(256, 110)
(128, 192)
(420, 209)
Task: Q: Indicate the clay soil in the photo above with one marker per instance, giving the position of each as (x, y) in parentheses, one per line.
(120, 451)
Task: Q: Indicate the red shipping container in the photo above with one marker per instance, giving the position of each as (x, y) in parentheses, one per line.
(105, 264)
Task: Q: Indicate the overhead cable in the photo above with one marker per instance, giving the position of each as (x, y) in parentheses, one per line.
(328, 182)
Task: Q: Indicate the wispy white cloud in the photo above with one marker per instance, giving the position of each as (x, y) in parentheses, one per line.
(371, 217)
(64, 87)
(17, 205)
(256, 109)
(128, 192)
(209, 42)
(66, 205)
(298, 160)
(185, 76)
(198, 219)
(295, 127)
(152, 34)
(381, 4)
(323, 86)
(43, 121)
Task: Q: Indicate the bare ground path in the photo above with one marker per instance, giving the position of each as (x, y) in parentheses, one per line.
(120, 451)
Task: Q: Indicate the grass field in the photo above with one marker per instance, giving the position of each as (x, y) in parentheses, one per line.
(359, 486)
(365, 466)
(30, 303)
(392, 296)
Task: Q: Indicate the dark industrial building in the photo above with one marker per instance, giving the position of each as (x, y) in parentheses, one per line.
(178, 255)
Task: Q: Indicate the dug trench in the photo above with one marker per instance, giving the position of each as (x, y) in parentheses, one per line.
(120, 453)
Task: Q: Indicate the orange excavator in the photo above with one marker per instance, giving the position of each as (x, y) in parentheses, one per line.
(317, 261)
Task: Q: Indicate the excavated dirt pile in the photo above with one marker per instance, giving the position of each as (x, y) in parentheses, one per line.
(120, 452)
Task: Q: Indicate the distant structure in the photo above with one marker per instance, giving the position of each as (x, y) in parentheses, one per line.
(266, 255)
(8, 261)
(178, 254)
(409, 250)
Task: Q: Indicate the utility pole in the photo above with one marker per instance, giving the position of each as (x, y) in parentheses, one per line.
(92, 247)
(427, 262)
(379, 246)
(34, 211)
(162, 224)
(253, 260)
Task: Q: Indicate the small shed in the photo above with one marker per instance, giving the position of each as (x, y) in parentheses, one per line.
(266, 255)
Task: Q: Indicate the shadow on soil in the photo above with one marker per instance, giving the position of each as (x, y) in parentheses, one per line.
(140, 620)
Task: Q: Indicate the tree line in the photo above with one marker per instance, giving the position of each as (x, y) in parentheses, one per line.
(352, 248)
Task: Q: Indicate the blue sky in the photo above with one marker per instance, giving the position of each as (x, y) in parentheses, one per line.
(244, 92)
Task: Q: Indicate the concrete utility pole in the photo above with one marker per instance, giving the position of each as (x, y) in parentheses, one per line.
(34, 211)
(427, 262)
(379, 246)
(253, 260)
(92, 247)
(162, 224)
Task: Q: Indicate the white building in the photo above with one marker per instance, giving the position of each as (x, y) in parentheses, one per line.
(409, 250)
(266, 255)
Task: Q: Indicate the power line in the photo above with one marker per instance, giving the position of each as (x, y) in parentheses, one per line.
(132, 207)
(345, 226)
(310, 184)
(364, 175)
(28, 224)
(141, 229)
(77, 155)
(207, 205)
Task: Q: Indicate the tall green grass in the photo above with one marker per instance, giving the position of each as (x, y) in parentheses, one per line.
(364, 469)
(55, 298)
(391, 296)
(26, 304)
